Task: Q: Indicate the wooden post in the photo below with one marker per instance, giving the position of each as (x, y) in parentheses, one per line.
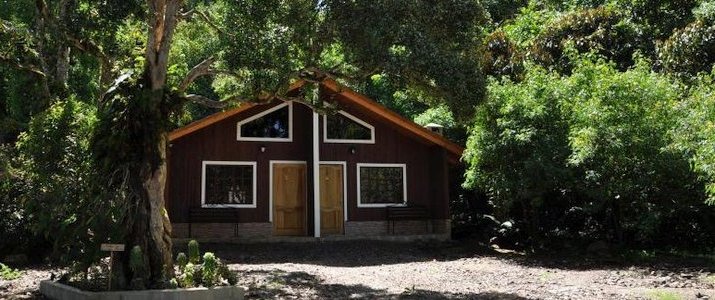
(111, 248)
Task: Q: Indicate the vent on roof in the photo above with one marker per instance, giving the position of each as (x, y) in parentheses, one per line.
(436, 128)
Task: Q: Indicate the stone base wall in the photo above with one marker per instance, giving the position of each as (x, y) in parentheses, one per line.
(379, 228)
(221, 230)
(231, 231)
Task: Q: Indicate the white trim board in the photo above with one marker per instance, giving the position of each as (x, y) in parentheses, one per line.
(316, 174)
(270, 182)
(345, 183)
(228, 163)
(261, 114)
(388, 165)
(343, 141)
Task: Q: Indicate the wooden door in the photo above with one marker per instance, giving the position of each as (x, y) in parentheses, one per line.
(289, 199)
(331, 199)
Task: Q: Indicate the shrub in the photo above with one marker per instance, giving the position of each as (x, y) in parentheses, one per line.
(600, 29)
(181, 260)
(209, 269)
(695, 132)
(186, 278)
(210, 273)
(63, 198)
(691, 50)
(138, 267)
(7, 273)
(586, 157)
(194, 253)
(501, 57)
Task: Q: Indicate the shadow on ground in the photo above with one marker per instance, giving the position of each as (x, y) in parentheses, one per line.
(372, 253)
(343, 253)
(278, 284)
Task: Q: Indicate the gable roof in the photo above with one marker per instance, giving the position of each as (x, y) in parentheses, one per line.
(354, 97)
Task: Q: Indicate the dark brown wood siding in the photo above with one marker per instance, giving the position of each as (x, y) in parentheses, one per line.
(426, 165)
(218, 143)
(427, 169)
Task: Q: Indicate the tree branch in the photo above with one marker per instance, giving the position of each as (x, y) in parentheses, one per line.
(205, 101)
(202, 69)
(203, 16)
(17, 65)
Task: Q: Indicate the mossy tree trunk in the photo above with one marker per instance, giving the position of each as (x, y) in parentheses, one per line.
(147, 223)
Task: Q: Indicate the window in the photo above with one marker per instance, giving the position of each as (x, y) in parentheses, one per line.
(228, 184)
(346, 128)
(271, 125)
(381, 185)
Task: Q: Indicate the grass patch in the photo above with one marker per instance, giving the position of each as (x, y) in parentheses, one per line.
(664, 295)
(8, 273)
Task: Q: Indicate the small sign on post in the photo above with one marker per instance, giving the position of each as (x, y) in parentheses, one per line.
(111, 248)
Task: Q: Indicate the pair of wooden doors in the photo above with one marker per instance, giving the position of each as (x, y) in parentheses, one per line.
(290, 198)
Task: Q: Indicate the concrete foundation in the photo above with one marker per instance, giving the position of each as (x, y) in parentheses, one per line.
(58, 291)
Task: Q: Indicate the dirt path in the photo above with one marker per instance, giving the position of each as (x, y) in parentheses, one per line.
(415, 271)
(372, 270)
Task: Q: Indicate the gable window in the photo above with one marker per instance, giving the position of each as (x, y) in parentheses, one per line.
(346, 128)
(271, 125)
(381, 185)
(228, 184)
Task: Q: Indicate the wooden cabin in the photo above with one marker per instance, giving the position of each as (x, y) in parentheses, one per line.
(283, 169)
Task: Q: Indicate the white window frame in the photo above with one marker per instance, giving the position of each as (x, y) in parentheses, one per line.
(404, 184)
(259, 115)
(228, 163)
(348, 141)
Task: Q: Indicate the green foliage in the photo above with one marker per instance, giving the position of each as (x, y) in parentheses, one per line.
(500, 10)
(186, 278)
(386, 90)
(192, 43)
(528, 24)
(181, 260)
(705, 12)
(695, 132)
(58, 191)
(657, 18)
(601, 30)
(14, 225)
(7, 273)
(194, 253)
(407, 44)
(501, 57)
(209, 271)
(691, 50)
(138, 266)
(518, 144)
(586, 156)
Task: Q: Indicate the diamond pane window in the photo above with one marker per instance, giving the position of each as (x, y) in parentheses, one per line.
(381, 185)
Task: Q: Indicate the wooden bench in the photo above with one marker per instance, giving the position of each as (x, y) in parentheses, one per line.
(407, 213)
(213, 215)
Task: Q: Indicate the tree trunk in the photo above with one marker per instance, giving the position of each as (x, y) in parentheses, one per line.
(148, 223)
(63, 67)
(159, 225)
(63, 52)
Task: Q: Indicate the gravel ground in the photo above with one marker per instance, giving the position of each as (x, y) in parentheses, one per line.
(451, 271)
(378, 270)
